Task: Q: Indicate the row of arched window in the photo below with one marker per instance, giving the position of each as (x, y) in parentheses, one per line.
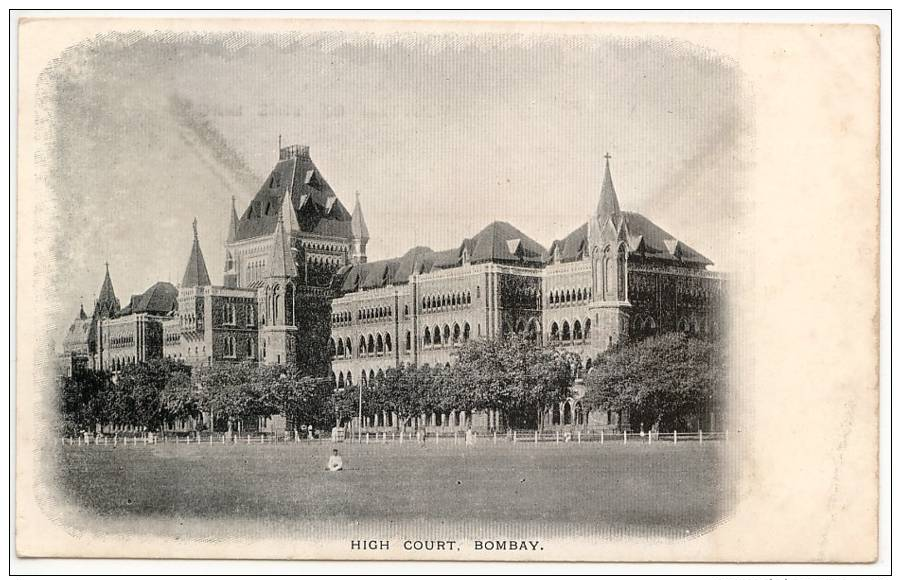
(449, 335)
(321, 247)
(188, 320)
(272, 311)
(564, 332)
(121, 341)
(444, 301)
(370, 345)
(374, 313)
(230, 347)
(120, 362)
(569, 296)
(342, 318)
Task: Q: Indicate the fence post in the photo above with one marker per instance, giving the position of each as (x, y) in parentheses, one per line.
(495, 438)
(649, 437)
(675, 437)
(536, 436)
(367, 439)
(514, 435)
(624, 436)
(700, 436)
(580, 437)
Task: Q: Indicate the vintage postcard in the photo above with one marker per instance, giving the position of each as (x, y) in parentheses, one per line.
(375, 290)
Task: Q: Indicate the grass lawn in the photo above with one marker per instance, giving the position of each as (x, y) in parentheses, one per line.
(611, 488)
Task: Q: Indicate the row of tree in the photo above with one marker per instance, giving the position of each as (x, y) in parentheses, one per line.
(666, 381)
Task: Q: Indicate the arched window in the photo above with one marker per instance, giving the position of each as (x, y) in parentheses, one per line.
(361, 349)
(341, 380)
(466, 332)
(347, 348)
(587, 329)
(370, 345)
(577, 330)
(349, 381)
(564, 334)
(456, 333)
(427, 339)
(388, 345)
(555, 332)
(332, 350)
(436, 335)
(339, 347)
(447, 334)
(289, 305)
(409, 342)
(379, 345)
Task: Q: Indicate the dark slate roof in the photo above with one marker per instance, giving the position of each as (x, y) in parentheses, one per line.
(644, 237)
(318, 209)
(498, 242)
(80, 333)
(196, 273)
(161, 298)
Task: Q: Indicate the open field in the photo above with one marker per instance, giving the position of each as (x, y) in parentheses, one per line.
(663, 488)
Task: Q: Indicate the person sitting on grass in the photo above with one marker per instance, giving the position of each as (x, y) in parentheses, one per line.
(335, 463)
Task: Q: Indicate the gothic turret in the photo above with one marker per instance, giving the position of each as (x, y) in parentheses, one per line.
(282, 263)
(196, 273)
(607, 240)
(107, 304)
(359, 234)
(232, 224)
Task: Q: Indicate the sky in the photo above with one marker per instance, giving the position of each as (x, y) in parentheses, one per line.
(441, 135)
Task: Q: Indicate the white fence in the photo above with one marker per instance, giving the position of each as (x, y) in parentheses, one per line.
(516, 437)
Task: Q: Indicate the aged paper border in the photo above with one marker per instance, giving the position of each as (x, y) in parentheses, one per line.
(824, 193)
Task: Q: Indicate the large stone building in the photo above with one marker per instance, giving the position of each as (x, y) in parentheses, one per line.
(298, 290)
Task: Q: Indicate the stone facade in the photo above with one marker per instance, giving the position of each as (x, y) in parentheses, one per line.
(298, 289)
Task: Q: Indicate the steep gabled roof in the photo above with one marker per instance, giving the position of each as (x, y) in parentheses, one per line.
(644, 237)
(498, 242)
(196, 273)
(161, 298)
(316, 208)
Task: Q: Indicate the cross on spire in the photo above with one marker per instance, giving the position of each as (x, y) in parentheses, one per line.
(195, 228)
(607, 156)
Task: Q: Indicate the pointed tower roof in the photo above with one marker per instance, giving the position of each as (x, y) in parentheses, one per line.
(608, 205)
(196, 273)
(81, 313)
(107, 303)
(358, 222)
(233, 224)
(281, 259)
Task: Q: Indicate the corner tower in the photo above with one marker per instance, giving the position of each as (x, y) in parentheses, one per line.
(607, 243)
(359, 233)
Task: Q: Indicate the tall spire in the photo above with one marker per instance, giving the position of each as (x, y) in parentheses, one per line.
(608, 205)
(358, 223)
(289, 214)
(281, 259)
(107, 304)
(196, 273)
(232, 224)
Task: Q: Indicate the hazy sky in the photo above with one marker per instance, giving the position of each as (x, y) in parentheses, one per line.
(440, 136)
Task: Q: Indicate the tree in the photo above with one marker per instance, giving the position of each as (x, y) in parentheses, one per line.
(179, 398)
(668, 380)
(137, 396)
(514, 375)
(300, 398)
(234, 391)
(84, 399)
